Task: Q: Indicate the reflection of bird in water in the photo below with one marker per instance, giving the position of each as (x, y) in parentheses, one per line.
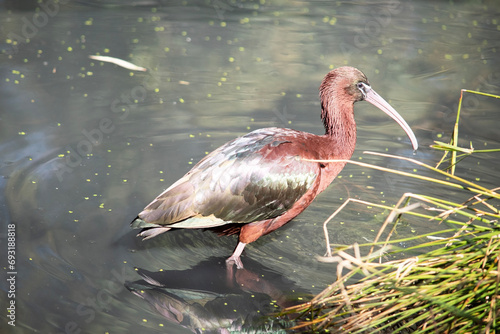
(210, 297)
(259, 182)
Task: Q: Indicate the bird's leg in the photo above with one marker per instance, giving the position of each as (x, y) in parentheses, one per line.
(235, 258)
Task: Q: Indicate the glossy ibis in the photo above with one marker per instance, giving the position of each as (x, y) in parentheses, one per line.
(256, 183)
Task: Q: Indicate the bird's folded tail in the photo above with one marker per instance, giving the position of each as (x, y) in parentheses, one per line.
(149, 230)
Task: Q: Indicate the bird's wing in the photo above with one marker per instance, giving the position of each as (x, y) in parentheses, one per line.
(255, 177)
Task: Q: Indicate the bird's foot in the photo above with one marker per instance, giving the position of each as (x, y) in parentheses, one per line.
(234, 260)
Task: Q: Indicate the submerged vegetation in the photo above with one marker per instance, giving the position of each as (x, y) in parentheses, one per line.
(453, 288)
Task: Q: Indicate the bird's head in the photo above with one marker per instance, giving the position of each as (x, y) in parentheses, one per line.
(344, 86)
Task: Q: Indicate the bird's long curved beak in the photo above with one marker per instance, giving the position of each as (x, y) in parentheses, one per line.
(377, 100)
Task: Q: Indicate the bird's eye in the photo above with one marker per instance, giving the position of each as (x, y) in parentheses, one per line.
(363, 87)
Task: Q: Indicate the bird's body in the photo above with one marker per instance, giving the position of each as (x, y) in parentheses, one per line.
(256, 183)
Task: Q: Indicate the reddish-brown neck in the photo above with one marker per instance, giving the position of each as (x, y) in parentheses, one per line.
(337, 113)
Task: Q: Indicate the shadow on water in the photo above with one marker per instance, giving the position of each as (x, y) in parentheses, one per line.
(212, 297)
